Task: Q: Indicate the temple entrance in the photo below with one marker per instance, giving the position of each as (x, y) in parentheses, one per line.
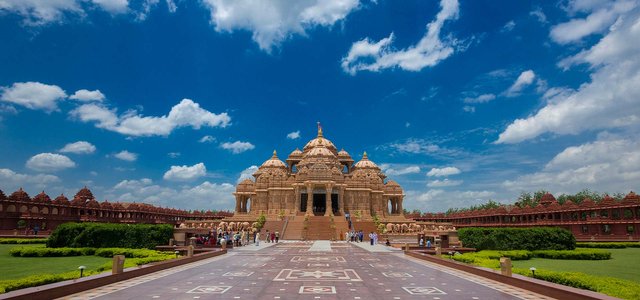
(303, 202)
(334, 204)
(319, 204)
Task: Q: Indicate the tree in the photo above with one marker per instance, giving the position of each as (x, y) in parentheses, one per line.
(537, 196)
(525, 199)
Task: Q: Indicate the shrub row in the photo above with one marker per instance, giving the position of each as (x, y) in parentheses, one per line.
(103, 235)
(578, 254)
(513, 254)
(615, 287)
(22, 241)
(609, 245)
(505, 238)
(50, 252)
(129, 253)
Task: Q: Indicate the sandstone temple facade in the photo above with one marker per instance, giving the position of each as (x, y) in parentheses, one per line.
(319, 181)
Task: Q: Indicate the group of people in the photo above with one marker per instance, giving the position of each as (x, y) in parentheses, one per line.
(354, 236)
(218, 237)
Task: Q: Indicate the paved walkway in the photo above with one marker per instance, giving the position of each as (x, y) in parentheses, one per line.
(376, 248)
(320, 246)
(291, 270)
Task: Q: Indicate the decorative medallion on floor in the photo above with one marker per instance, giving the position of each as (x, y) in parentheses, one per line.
(209, 289)
(237, 274)
(318, 259)
(317, 289)
(317, 275)
(396, 274)
(423, 290)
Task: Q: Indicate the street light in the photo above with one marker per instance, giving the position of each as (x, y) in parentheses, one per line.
(451, 254)
(177, 252)
(533, 271)
(81, 268)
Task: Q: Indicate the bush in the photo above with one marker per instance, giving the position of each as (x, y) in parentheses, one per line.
(615, 287)
(22, 241)
(578, 254)
(513, 254)
(36, 280)
(50, 252)
(609, 245)
(532, 238)
(129, 253)
(102, 235)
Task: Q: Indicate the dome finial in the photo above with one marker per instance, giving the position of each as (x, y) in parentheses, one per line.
(364, 156)
(319, 129)
(275, 154)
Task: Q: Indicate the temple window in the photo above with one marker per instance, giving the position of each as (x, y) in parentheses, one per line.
(606, 229)
(585, 229)
(615, 214)
(628, 214)
(630, 229)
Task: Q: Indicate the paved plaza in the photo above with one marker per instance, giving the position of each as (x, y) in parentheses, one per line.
(309, 270)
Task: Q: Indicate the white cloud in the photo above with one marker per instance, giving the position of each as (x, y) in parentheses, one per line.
(446, 171)
(469, 108)
(247, 173)
(10, 178)
(79, 147)
(185, 113)
(87, 95)
(539, 14)
(525, 79)
(392, 170)
(428, 52)
(599, 19)
(237, 146)
(508, 26)
(39, 12)
(437, 200)
(205, 195)
(49, 162)
(480, 99)
(416, 146)
(608, 164)
(272, 22)
(126, 155)
(207, 139)
(33, 95)
(443, 183)
(173, 154)
(293, 135)
(185, 173)
(610, 100)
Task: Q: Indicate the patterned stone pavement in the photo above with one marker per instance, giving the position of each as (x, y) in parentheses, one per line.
(289, 270)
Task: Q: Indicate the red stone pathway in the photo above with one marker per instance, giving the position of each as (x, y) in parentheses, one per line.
(291, 271)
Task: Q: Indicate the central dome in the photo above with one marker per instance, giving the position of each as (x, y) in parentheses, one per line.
(320, 141)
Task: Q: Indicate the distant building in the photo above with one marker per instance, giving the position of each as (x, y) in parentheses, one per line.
(608, 220)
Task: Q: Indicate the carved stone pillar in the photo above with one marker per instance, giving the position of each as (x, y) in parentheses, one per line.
(400, 209)
(309, 200)
(341, 200)
(237, 203)
(297, 200)
(329, 206)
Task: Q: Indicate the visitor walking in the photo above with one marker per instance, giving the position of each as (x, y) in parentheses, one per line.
(371, 238)
(428, 244)
(421, 242)
(277, 236)
(257, 238)
(268, 237)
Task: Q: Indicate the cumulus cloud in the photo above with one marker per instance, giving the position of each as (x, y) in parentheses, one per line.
(443, 183)
(173, 154)
(79, 147)
(416, 146)
(525, 79)
(392, 170)
(601, 16)
(49, 162)
(366, 55)
(480, 99)
(37, 12)
(206, 194)
(33, 95)
(237, 146)
(87, 95)
(446, 171)
(508, 26)
(185, 173)
(207, 139)
(611, 99)
(185, 113)
(608, 164)
(272, 22)
(294, 135)
(469, 108)
(539, 15)
(126, 155)
(247, 173)
(9, 178)
(434, 199)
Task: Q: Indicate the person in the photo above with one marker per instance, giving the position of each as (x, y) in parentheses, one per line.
(371, 238)
(257, 238)
(388, 243)
(273, 237)
(375, 238)
(361, 236)
(346, 236)
(277, 236)
(428, 244)
(421, 242)
(268, 237)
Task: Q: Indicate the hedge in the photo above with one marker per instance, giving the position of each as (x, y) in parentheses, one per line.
(615, 287)
(609, 245)
(104, 235)
(578, 254)
(51, 252)
(22, 241)
(506, 238)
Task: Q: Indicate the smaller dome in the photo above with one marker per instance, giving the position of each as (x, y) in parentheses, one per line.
(343, 153)
(93, 204)
(106, 205)
(365, 163)
(547, 198)
(19, 195)
(273, 162)
(295, 153)
(246, 186)
(61, 200)
(320, 151)
(631, 198)
(607, 201)
(42, 198)
(118, 206)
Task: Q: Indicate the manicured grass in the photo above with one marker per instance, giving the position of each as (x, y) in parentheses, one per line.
(17, 267)
(623, 264)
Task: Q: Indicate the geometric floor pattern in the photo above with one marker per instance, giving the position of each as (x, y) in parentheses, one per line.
(282, 271)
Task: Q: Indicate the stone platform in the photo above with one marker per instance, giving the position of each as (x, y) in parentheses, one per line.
(295, 270)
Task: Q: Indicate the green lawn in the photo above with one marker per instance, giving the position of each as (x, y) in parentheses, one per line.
(17, 267)
(623, 264)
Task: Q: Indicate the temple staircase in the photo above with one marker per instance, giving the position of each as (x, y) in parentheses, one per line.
(295, 228)
(320, 228)
(272, 226)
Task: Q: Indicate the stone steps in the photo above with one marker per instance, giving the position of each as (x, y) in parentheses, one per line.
(294, 228)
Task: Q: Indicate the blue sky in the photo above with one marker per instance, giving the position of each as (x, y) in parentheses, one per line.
(171, 102)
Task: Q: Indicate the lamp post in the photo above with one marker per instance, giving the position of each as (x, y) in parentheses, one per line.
(533, 272)
(451, 254)
(81, 268)
(177, 252)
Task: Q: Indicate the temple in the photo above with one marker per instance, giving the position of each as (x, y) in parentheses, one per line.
(319, 181)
